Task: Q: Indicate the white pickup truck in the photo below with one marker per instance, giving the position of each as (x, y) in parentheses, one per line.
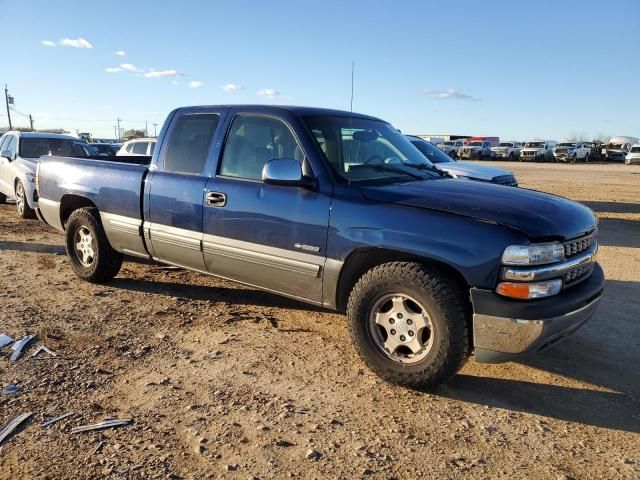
(450, 147)
(570, 152)
(508, 150)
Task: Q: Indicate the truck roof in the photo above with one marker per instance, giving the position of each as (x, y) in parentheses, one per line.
(43, 135)
(296, 110)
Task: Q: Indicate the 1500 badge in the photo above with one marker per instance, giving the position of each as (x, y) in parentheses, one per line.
(308, 248)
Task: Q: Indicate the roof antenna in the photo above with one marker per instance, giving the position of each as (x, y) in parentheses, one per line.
(353, 67)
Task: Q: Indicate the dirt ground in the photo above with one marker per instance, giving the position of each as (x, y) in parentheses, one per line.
(223, 381)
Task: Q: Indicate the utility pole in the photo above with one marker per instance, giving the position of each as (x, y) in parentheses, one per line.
(118, 127)
(6, 99)
(31, 122)
(155, 130)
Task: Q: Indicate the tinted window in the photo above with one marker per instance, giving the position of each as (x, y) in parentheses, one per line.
(3, 140)
(62, 147)
(153, 148)
(11, 144)
(252, 142)
(140, 148)
(189, 144)
(129, 147)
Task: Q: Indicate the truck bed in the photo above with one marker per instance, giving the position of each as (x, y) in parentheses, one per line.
(113, 186)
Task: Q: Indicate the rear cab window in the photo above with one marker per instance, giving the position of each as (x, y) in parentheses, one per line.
(189, 143)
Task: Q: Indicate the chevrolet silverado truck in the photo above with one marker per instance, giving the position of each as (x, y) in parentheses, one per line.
(339, 210)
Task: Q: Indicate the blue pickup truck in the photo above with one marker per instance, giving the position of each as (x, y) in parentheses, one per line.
(339, 210)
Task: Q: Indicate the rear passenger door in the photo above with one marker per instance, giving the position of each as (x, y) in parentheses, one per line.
(175, 189)
(270, 236)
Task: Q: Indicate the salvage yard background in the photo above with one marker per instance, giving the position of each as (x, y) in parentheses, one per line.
(224, 380)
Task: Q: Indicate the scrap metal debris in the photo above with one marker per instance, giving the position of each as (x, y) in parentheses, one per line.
(57, 419)
(102, 425)
(11, 389)
(13, 424)
(19, 345)
(42, 348)
(5, 340)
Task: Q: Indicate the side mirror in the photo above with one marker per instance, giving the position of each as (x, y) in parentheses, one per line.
(8, 154)
(285, 172)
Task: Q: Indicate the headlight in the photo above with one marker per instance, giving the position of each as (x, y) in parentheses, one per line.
(534, 254)
(526, 291)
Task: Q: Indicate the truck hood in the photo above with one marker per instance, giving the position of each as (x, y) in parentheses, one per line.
(538, 215)
(464, 169)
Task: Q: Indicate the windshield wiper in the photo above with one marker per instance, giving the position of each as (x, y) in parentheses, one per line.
(431, 168)
(392, 169)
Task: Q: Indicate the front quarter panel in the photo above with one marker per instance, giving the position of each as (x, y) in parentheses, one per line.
(470, 246)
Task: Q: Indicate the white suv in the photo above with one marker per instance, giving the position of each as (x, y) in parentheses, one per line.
(138, 147)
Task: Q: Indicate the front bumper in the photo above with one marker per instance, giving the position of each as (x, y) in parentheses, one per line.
(505, 329)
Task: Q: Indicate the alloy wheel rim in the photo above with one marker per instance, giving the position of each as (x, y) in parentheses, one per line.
(20, 198)
(84, 246)
(401, 328)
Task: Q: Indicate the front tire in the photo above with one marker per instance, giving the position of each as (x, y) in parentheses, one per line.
(22, 205)
(90, 253)
(409, 324)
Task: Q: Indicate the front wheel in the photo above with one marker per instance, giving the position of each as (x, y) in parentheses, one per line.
(92, 257)
(409, 323)
(22, 205)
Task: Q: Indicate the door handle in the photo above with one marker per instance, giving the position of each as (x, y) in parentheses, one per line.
(216, 199)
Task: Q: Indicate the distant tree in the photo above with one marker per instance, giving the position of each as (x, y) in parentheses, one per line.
(53, 130)
(129, 134)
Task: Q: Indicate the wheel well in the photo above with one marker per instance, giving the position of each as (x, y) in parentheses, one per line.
(364, 259)
(70, 203)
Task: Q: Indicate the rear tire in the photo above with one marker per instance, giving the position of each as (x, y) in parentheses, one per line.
(424, 320)
(90, 253)
(22, 205)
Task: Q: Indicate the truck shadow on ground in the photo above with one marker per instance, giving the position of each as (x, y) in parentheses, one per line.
(619, 232)
(31, 247)
(604, 355)
(611, 207)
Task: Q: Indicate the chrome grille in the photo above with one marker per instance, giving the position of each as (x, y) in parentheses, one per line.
(578, 273)
(578, 245)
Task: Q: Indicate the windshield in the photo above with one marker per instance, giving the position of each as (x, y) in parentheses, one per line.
(433, 153)
(361, 149)
(62, 147)
(635, 149)
(572, 145)
(534, 145)
(505, 144)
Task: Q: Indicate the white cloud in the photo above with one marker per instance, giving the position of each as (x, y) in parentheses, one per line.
(162, 73)
(449, 94)
(232, 87)
(268, 93)
(196, 84)
(120, 53)
(175, 82)
(48, 43)
(129, 67)
(75, 43)
(113, 69)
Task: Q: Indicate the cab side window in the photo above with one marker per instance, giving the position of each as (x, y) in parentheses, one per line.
(254, 140)
(188, 147)
(140, 148)
(11, 145)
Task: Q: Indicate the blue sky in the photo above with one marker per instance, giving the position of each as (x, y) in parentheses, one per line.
(517, 69)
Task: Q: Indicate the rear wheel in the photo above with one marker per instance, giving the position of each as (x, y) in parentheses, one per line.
(22, 205)
(408, 324)
(92, 257)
